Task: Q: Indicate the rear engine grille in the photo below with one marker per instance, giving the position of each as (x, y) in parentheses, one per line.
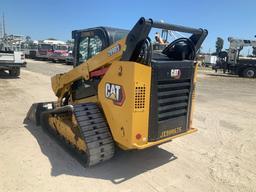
(140, 98)
(173, 98)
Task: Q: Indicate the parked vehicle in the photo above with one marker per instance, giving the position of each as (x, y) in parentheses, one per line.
(69, 59)
(233, 63)
(47, 47)
(44, 51)
(32, 50)
(12, 61)
(60, 53)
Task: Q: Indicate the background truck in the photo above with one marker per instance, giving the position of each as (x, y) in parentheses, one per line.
(231, 61)
(210, 60)
(47, 47)
(12, 61)
(60, 53)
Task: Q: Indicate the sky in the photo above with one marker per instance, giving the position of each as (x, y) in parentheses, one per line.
(56, 19)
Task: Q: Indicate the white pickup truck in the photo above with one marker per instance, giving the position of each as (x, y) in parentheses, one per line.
(12, 61)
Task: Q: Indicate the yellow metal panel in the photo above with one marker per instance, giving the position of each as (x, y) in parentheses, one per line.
(142, 81)
(193, 96)
(124, 121)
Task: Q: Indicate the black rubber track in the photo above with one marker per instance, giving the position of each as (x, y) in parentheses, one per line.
(94, 130)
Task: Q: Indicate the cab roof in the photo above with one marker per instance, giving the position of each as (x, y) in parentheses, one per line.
(113, 34)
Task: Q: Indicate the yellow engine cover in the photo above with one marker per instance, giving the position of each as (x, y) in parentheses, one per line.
(124, 94)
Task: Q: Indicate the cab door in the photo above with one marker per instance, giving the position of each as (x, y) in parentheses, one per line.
(88, 43)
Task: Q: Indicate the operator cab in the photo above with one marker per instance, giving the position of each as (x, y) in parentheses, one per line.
(89, 42)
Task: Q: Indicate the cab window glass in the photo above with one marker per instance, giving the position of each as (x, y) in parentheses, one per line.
(83, 49)
(95, 45)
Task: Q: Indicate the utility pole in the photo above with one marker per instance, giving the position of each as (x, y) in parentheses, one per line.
(1, 29)
(4, 26)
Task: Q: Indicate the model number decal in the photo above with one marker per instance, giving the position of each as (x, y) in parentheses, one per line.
(170, 132)
(114, 50)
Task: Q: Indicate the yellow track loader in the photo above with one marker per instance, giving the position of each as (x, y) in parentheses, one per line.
(122, 92)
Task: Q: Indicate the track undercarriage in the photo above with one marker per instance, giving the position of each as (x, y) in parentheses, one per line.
(83, 129)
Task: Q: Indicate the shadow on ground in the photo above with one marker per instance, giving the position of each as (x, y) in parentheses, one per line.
(124, 165)
(5, 75)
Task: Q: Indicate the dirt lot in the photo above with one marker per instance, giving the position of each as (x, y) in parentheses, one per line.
(47, 68)
(221, 156)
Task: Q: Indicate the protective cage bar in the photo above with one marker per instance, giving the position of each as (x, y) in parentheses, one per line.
(142, 28)
(179, 28)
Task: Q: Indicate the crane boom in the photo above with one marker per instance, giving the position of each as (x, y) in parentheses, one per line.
(236, 45)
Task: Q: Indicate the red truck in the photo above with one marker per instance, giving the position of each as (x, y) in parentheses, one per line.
(44, 51)
(60, 53)
(50, 49)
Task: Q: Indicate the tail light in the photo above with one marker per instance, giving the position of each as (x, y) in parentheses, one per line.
(138, 136)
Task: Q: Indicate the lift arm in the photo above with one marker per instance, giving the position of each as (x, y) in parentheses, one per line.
(62, 82)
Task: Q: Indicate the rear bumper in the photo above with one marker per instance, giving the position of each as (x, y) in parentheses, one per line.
(59, 58)
(11, 65)
(150, 144)
(158, 142)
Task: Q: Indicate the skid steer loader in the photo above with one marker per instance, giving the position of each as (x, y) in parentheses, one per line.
(122, 92)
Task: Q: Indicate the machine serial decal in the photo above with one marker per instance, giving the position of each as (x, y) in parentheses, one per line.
(170, 132)
(114, 50)
(115, 93)
(175, 73)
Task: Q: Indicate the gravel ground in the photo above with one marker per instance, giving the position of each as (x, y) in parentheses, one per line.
(220, 157)
(47, 68)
